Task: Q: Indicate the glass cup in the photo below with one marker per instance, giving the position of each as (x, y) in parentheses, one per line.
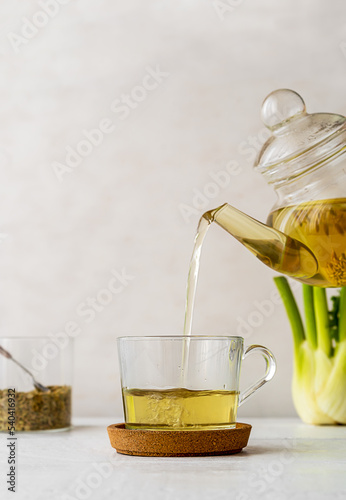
(185, 382)
(46, 362)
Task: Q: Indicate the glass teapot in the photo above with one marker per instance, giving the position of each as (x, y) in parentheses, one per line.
(305, 161)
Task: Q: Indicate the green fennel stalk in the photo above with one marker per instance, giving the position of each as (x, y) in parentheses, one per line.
(319, 378)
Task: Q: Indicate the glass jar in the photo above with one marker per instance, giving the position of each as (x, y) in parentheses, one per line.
(46, 406)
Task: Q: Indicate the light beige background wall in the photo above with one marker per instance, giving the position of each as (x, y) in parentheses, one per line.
(121, 206)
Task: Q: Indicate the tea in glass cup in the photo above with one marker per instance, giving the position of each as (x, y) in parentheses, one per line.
(185, 382)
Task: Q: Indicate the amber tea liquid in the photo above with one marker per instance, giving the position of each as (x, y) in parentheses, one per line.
(321, 226)
(180, 409)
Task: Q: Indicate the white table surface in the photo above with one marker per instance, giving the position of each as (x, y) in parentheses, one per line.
(285, 459)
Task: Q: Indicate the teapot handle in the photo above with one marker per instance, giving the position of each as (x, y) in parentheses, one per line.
(269, 373)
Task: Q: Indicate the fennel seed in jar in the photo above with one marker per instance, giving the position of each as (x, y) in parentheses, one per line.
(38, 411)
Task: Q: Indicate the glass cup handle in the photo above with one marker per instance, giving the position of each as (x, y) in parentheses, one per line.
(269, 373)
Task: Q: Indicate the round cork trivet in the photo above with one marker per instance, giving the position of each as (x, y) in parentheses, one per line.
(152, 443)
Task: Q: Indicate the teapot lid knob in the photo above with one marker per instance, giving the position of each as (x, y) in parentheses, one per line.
(280, 107)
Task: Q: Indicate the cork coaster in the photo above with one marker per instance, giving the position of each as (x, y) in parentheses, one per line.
(154, 443)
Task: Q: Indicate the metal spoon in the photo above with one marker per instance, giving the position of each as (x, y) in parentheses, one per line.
(37, 385)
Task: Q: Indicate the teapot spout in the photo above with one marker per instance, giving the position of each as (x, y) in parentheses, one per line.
(272, 247)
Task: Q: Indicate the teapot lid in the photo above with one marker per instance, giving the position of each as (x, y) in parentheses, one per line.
(299, 141)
